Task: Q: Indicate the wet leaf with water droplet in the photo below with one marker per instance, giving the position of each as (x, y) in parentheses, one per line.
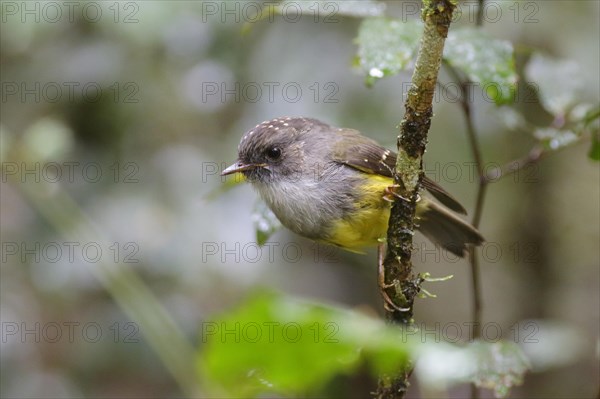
(486, 61)
(500, 366)
(387, 46)
(493, 365)
(554, 139)
(558, 82)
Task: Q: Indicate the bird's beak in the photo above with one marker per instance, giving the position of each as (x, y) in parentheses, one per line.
(240, 167)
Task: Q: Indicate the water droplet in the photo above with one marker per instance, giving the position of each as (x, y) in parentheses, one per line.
(376, 73)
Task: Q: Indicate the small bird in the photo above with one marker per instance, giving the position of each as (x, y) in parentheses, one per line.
(332, 185)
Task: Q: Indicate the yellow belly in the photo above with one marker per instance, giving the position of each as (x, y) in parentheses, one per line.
(368, 223)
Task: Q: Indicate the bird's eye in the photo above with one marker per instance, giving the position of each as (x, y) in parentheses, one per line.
(274, 153)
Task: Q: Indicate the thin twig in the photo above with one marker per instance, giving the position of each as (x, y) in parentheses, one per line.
(534, 155)
(481, 192)
(480, 11)
(537, 153)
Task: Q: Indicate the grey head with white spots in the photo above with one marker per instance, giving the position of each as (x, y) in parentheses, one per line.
(278, 146)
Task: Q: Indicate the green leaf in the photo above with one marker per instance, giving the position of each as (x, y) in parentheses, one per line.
(558, 82)
(294, 347)
(265, 222)
(594, 153)
(592, 115)
(276, 344)
(427, 277)
(587, 123)
(484, 60)
(328, 10)
(387, 46)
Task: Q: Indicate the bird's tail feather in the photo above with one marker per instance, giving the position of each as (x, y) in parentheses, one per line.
(446, 229)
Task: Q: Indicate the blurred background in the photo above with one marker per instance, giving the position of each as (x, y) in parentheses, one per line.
(117, 117)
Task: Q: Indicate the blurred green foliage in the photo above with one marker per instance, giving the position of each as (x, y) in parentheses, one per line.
(309, 343)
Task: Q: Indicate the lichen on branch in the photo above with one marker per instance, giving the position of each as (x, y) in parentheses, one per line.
(404, 285)
(398, 272)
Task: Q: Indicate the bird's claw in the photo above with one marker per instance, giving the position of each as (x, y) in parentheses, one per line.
(390, 193)
(389, 305)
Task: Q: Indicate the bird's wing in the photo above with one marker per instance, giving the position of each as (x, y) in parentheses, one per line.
(362, 153)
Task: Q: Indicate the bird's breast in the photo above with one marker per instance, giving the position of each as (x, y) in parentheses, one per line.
(345, 209)
(307, 208)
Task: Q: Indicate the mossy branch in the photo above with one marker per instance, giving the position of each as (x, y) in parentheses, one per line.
(412, 140)
(403, 284)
